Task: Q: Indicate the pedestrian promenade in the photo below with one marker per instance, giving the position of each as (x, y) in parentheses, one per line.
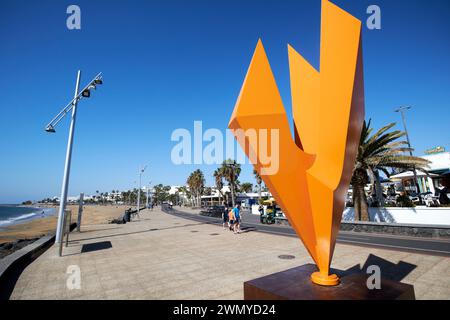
(166, 257)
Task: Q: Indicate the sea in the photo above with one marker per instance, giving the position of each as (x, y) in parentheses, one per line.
(11, 214)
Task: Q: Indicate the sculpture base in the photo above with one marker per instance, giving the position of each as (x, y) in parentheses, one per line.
(296, 284)
(324, 280)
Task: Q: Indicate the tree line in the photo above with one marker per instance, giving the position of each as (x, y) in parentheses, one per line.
(381, 151)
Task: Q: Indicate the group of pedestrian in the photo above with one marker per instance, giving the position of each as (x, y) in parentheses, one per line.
(232, 219)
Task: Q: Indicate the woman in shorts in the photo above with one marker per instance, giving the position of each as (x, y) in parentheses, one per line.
(231, 219)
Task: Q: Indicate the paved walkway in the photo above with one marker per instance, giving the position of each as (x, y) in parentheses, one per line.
(167, 257)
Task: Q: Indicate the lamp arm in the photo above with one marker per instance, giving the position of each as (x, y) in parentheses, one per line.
(52, 124)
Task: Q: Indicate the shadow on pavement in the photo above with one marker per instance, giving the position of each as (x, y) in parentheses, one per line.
(142, 231)
(389, 270)
(96, 246)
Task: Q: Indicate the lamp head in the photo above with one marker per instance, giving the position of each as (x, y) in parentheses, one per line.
(50, 129)
(86, 93)
(402, 108)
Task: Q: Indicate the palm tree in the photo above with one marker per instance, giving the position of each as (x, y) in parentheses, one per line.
(218, 178)
(200, 184)
(196, 183)
(246, 187)
(231, 171)
(124, 195)
(184, 191)
(258, 182)
(208, 192)
(379, 151)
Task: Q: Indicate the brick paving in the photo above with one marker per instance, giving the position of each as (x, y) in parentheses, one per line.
(167, 257)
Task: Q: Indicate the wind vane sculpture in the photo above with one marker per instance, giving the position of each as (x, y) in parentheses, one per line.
(315, 169)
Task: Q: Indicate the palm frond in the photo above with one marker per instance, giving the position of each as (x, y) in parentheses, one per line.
(406, 162)
(374, 146)
(379, 132)
(385, 171)
(384, 150)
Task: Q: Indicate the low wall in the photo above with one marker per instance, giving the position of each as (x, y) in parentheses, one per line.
(416, 216)
(423, 231)
(12, 265)
(211, 214)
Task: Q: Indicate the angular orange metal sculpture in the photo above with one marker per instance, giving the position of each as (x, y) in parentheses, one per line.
(315, 169)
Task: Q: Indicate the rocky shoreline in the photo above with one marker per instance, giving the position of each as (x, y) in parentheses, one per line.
(10, 247)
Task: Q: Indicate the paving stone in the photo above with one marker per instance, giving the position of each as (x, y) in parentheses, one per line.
(174, 263)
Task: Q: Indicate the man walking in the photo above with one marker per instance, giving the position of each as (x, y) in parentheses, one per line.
(237, 219)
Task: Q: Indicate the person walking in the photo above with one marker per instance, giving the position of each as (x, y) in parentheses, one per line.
(225, 219)
(231, 219)
(261, 209)
(237, 219)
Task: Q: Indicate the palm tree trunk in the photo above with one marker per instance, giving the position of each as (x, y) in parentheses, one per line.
(360, 203)
(378, 189)
(374, 177)
(233, 202)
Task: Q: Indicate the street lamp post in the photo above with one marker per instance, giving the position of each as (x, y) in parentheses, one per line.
(402, 110)
(141, 171)
(148, 189)
(72, 105)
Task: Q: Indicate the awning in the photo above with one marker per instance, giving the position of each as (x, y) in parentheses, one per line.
(410, 174)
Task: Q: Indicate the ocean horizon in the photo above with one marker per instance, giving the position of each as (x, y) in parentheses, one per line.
(11, 214)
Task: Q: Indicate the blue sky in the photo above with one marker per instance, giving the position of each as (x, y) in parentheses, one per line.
(168, 63)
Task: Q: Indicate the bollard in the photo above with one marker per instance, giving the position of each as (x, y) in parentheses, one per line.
(80, 211)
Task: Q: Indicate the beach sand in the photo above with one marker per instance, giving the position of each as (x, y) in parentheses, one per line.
(92, 214)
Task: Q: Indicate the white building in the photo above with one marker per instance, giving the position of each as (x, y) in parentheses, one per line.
(241, 197)
(437, 175)
(440, 162)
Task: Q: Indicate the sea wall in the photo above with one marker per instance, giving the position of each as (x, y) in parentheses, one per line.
(416, 216)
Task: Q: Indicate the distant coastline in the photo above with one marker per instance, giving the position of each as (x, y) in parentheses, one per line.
(12, 214)
(36, 227)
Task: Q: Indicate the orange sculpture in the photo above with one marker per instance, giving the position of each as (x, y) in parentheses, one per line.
(315, 169)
